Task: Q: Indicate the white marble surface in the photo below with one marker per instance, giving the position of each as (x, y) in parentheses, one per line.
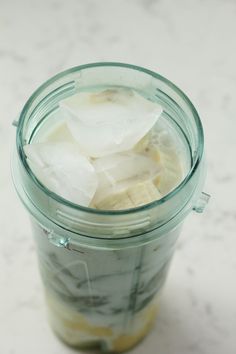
(193, 44)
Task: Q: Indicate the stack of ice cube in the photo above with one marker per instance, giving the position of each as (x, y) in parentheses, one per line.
(102, 164)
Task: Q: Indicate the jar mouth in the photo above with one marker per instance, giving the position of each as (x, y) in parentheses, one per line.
(195, 163)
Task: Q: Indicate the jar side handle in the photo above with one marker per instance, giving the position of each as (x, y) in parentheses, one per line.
(202, 202)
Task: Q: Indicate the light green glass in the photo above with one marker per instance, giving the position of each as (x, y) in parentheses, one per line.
(103, 270)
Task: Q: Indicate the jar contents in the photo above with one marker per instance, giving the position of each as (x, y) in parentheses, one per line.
(107, 150)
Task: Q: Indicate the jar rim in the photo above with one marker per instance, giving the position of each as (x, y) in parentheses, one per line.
(153, 204)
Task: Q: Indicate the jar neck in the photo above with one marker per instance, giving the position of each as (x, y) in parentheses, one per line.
(95, 223)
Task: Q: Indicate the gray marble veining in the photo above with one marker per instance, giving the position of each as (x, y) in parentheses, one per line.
(190, 42)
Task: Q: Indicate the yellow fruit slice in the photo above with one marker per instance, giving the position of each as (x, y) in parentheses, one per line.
(139, 194)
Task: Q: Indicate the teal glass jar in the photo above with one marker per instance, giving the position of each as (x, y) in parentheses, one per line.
(103, 270)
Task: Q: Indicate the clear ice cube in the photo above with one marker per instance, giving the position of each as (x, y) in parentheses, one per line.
(63, 170)
(109, 121)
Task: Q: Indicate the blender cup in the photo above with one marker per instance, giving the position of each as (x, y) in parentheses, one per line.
(103, 270)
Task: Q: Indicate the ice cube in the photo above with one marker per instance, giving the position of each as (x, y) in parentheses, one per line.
(63, 170)
(109, 121)
(119, 171)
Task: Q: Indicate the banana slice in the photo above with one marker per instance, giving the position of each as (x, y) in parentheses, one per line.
(137, 195)
(161, 149)
(143, 193)
(142, 145)
(171, 173)
(148, 146)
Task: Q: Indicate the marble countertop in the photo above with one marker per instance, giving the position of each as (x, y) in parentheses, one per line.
(193, 44)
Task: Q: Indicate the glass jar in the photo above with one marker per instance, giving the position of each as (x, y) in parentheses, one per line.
(103, 270)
